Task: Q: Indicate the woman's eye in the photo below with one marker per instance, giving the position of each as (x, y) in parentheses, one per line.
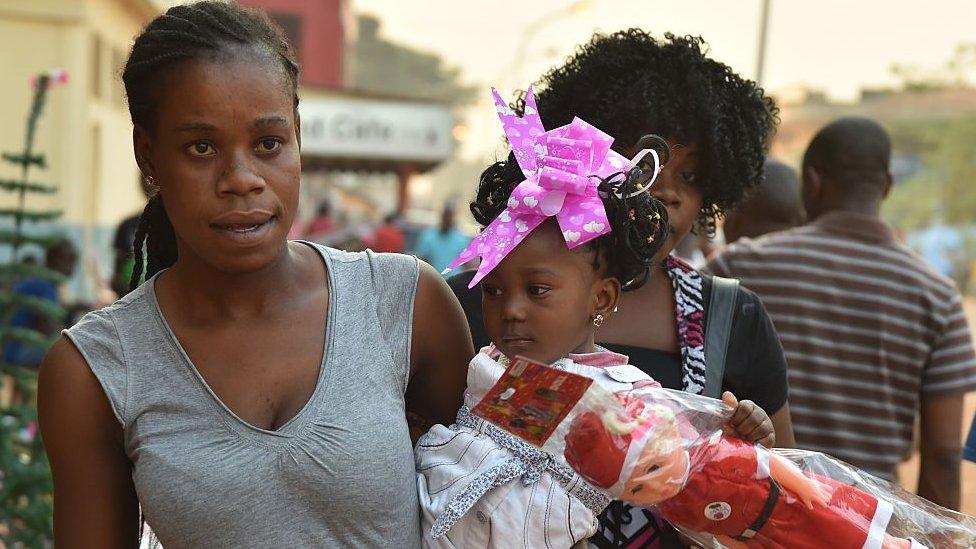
(689, 177)
(268, 145)
(538, 290)
(201, 148)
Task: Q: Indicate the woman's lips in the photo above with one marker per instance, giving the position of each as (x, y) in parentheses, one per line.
(245, 231)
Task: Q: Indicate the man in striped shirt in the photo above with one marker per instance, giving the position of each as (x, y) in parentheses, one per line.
(872, 334)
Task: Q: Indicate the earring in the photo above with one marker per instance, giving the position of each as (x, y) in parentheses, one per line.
(150, 181)
(598, 320)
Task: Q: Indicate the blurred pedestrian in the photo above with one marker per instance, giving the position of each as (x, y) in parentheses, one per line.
(774, 206)
(969, 451)
(388, 237)
(61, 257)
(873, 334)
(125, 235)
(440, 245)
(322, 224)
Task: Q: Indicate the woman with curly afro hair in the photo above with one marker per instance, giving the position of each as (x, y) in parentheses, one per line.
(717, 124)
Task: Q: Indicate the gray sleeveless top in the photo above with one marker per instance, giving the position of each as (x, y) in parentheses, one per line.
(340, 474)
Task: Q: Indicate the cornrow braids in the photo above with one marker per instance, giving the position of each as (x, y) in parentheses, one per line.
(202, 30)
(638, 222)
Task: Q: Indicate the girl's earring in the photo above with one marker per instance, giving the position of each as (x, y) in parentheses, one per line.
(598, 320)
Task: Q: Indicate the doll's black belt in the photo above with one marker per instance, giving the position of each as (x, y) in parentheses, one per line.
(764, 515)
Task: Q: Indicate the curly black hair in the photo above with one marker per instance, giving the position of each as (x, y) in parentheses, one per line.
(638, 221)
(630, 84)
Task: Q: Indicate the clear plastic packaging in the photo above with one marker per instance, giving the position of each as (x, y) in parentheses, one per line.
(661, 448)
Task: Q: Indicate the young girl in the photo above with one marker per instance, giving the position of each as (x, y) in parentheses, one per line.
(556, 253)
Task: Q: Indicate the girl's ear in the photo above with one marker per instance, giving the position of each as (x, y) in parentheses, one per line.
(606, 294)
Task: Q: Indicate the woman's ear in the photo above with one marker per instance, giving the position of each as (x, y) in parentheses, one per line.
(606, 294)
(142, 145)
(298, 129)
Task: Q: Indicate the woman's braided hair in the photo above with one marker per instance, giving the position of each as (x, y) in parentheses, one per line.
(203, 30)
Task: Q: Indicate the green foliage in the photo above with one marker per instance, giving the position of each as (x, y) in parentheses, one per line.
(11, 185)
(945, 187)
(25, 481)
(25, 160)
(42, 240)
(26, 507)
(18, 271)
(28, 215)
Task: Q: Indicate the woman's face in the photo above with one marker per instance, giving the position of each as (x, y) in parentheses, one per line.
(678, 188)
(225, 155)
(540, 300)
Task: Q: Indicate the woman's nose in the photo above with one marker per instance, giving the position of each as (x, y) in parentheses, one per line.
(240, 178)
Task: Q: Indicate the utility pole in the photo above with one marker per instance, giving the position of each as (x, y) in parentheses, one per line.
(763, 30)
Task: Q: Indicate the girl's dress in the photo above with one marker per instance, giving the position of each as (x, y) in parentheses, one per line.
(482, 487)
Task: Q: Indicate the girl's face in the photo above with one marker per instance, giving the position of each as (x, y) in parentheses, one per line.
(678, 188)
(225, 154)
(540, 301)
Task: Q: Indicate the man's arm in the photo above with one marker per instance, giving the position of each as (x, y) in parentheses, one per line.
(941, 449)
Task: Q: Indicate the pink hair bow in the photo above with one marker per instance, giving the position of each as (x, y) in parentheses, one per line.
(562, 168)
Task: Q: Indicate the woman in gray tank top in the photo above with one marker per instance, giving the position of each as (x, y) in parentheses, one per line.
(252, 392)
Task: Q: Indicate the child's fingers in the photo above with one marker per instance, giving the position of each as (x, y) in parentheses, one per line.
(763, 434)
(743, 411)
(729, 399)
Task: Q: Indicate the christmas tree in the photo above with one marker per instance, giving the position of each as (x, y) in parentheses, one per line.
(25, 480)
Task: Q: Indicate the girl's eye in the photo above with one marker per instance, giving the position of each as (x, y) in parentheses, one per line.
(201, 149)
(689, 177)
(268, 145)
(538, 290)
(491, 291)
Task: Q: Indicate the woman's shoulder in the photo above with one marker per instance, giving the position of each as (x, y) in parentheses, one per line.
(380, 270)
(744, 297)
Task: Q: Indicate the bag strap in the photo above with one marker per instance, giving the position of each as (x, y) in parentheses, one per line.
(718, 327)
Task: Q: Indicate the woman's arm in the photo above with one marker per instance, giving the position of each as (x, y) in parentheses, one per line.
(439, 354)
(95, 503)
(767, 381)
(783, 425)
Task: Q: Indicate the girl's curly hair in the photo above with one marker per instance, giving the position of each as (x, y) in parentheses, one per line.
(638, 221)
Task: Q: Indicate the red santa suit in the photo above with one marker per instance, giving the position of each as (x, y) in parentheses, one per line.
(730, 492)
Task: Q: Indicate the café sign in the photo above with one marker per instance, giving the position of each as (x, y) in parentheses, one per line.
(373, 129)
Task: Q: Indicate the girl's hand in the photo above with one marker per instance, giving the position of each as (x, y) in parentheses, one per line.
(749, 421)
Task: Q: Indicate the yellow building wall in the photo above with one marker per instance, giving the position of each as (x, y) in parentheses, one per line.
(85, 130)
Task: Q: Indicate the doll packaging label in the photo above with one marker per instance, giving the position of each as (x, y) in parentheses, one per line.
(531, 399)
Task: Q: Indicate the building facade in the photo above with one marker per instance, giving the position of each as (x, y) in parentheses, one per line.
(85, 130)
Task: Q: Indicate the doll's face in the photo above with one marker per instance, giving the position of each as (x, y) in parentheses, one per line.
(662, 468)
(657, 477)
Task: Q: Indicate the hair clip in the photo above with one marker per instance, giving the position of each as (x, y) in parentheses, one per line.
(646, 186)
